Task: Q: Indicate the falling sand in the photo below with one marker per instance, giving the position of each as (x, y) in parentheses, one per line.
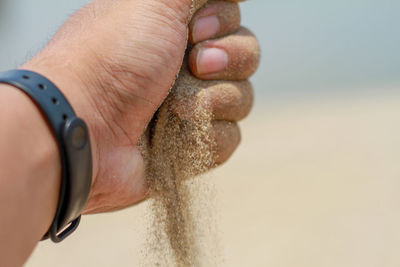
(176, 149)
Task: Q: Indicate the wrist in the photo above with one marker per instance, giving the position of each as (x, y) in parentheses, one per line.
(34, 144)
(30, 174)
(77, 91)
(74, 146)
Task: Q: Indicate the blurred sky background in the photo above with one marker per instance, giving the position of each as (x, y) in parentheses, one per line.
(309, 47)
(316, 180)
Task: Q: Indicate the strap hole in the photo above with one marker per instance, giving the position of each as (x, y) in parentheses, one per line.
(65, 117)
(55, 101)
(41, 86)
(26, 77)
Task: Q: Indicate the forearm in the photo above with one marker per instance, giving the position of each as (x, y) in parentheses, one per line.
(29, 176)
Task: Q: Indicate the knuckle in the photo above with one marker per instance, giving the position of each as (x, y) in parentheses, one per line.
(227, 139)
(247, 99)
(250, 58)
(232, 101)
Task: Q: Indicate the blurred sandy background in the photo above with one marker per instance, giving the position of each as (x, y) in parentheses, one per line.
(316, 180)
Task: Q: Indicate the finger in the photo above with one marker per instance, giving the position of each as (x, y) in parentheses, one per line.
(197, 4)
(227, 138)
(225, 100)
(231, 101)
(234, 57)
(216, 19)
(224, 138)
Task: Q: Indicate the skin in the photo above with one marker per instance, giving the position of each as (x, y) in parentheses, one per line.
(115, 63)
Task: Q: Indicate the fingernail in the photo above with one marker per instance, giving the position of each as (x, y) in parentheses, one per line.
(205, 28)
(211, 60)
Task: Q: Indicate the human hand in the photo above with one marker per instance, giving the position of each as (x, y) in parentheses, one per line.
(116, 61)
(226, 89)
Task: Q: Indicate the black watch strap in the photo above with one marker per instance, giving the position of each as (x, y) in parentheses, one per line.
(74, 145)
